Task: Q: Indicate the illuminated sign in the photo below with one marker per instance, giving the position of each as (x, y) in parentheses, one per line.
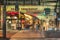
(28, 8)
(10, 8)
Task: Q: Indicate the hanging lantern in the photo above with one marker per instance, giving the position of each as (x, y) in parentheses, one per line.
(14, 17)
(12, 13)
(8, 17)
(23, 21)
(35, 14)
(16, 13)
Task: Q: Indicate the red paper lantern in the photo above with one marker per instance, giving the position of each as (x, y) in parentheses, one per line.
(12, 13)
(16, 12)
(8, 13)
(23, 21)
(34, 14)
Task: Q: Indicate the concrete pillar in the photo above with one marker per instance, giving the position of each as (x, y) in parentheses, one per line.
(4, 18)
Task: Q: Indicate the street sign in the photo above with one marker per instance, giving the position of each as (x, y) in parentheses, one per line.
(47, 11)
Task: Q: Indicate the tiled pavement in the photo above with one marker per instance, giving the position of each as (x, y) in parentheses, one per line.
(27, 35)
(8, 34)
(38, 39)
(15, 36)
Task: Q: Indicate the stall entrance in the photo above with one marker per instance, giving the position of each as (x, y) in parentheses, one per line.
(17, 20)
(13, 22)
(25, 22)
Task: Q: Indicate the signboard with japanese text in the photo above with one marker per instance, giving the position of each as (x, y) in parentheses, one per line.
(34, 10)
(10, 8)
